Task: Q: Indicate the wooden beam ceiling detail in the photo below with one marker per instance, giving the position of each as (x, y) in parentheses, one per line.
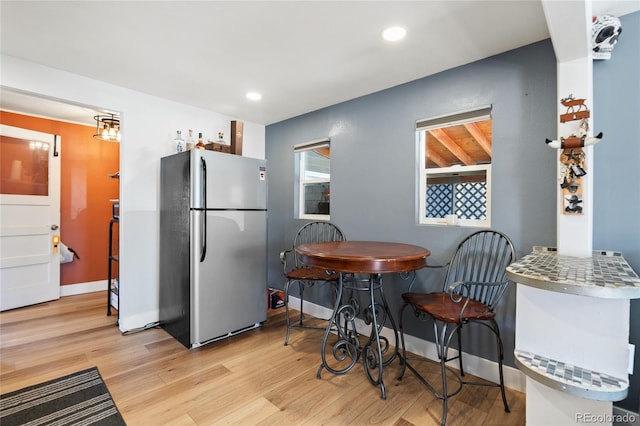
(440, 162)
(480, 137)
(452, 146)
(324, 151)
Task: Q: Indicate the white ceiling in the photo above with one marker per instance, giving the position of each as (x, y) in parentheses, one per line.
(301, 55)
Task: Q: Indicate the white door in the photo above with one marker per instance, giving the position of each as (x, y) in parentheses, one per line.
(29, 217)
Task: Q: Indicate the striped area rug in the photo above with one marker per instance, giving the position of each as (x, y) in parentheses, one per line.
(80, 398)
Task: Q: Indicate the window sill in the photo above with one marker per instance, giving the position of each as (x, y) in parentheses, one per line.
(315, 216)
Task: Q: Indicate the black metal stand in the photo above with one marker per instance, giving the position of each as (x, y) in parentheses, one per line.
(348, 348)
(112, 289)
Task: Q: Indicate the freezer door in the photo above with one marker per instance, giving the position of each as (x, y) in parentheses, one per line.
(226, 181)
(229, 285)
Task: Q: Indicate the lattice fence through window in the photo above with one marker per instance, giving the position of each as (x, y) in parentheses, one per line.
(466, 200)
(439, 200)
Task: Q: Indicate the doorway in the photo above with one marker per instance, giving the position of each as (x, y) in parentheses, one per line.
(87, 190)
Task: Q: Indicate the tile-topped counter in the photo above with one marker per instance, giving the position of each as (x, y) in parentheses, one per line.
(604, 275)
(567, 335)
(570, 378)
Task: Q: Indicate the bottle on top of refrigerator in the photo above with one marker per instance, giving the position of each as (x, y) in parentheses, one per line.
(179, 143)
(190, 144)
(200, 144)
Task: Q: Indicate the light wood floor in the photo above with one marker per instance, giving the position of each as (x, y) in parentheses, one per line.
(245, 380)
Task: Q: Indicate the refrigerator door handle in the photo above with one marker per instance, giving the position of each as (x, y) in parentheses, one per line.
(203, 216)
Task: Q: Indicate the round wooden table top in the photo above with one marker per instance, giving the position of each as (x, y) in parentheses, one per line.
(366, 257)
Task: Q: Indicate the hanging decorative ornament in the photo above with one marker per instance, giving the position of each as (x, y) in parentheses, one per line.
(573, 157)
(576, 110)
(574, 141)
(604, 35)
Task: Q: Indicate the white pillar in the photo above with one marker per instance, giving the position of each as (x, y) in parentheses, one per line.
(574, 233)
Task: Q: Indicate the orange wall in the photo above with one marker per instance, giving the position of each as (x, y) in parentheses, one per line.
(85, 191)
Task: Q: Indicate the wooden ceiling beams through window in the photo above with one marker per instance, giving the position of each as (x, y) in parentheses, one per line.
(325, 151)
(465, 144)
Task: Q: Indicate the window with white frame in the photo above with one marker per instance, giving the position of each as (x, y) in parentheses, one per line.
(454, 157)
(313, 179)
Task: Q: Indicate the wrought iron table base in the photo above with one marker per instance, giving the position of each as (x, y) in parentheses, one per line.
(348, 349)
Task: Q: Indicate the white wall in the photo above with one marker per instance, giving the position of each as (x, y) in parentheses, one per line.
(148, 125)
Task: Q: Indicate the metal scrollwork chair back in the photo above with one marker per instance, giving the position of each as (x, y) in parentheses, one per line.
(474, 284)
(304, 276)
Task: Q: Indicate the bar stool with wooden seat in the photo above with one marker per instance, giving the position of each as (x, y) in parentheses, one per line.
(474, 284)
(303, 275)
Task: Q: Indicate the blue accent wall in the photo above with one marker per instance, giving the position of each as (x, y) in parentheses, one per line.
(374, 168)
(616, 192)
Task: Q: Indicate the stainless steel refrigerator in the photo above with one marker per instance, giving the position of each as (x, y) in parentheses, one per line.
(213, 239)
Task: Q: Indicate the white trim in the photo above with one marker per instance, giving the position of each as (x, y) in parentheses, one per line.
(133, 322)
(482, 223)
(312, 309)
(447, 120)
(82, 288)
(315, 216)
(307, 146)
(302, 181)
(461, 117)
(479, 367)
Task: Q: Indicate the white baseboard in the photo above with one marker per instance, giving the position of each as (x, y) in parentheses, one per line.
(479, 367)
(138, 321)
(125, 324)
(81, 288)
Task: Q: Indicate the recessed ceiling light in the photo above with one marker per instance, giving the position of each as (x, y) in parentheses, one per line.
(394, 33)
(254, 96)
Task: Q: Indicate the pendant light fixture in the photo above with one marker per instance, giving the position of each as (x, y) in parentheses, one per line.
(107, 127)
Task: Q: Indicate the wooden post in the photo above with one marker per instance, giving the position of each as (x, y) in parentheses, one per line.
(236, 137)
